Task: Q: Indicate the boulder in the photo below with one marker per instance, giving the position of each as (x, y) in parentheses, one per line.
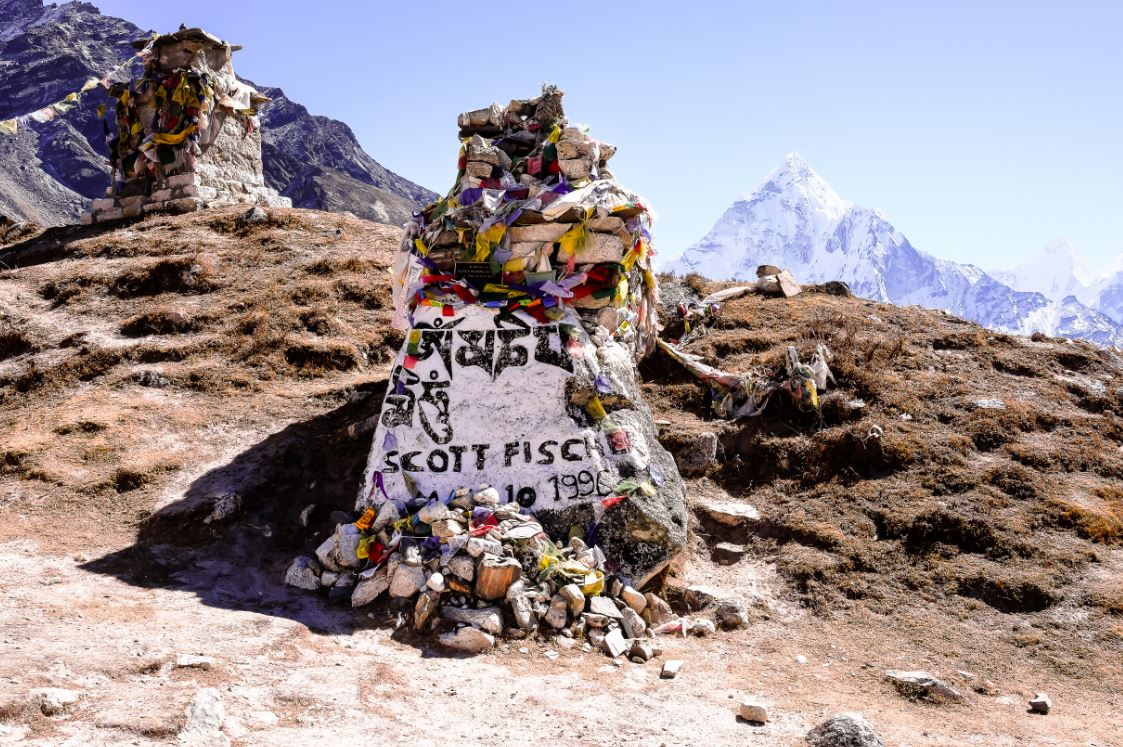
(633, 599)
(632, 623)
(574, 598)
(463, 567)
(731, 613)
(614, 643)
(754, 709)
(923, 685)
(556, 617)
(657, 611)
(604, 606)
(844, 730)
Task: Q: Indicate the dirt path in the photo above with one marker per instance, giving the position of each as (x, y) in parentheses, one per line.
(292, 671)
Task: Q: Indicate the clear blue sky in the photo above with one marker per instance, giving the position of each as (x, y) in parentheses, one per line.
(982, 129)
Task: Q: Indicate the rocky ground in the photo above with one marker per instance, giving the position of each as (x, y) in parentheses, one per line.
(174, 393)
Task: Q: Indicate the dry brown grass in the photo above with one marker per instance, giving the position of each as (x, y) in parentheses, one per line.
(189, 322)
(951, 500)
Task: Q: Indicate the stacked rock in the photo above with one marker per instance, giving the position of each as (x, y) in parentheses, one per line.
(534, 221)
(185, 135)
(480, 569)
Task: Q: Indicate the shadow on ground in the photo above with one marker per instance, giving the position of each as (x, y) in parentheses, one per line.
(238, 561)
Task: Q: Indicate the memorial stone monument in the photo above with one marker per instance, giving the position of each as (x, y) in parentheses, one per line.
(185, 135)
(527, 297)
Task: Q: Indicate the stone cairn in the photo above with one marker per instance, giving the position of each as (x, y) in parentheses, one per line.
(185, 135)
(515, 484)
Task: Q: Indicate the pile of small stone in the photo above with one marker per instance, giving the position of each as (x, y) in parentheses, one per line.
(476, 568)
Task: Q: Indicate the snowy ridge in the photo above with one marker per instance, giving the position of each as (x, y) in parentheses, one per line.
(796, 220)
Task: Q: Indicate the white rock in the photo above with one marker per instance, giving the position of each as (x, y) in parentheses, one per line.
(703, 628)
(604, 606)
(387, 513)
(488, 496)
(467, 639)
(671, 668)
(754, 709)
(191, 661)
(205, 714)
(1040, 703)
(301, 575)
(327, 578)
(614, 643)
(729, 513)
(436, 582)
(54, 700)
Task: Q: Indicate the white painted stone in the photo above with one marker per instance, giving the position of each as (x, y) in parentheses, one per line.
(529, 440)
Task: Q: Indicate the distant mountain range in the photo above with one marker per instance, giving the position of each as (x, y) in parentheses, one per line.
(796, 220)
(49, 171)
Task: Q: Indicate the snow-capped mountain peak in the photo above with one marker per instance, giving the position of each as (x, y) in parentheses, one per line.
(795, 179)
(1056, 272)
(796, 220)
